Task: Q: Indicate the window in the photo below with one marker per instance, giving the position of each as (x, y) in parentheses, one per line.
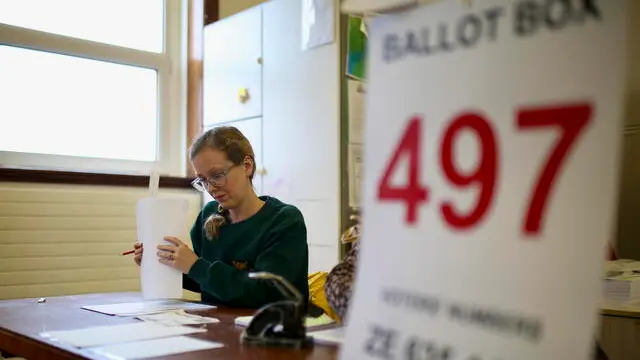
(132, 24)
(93, 85)
(71, 94)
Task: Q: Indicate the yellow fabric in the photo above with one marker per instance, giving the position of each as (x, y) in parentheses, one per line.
(317, 296)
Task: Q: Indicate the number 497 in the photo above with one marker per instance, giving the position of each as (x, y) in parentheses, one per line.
(572, 120)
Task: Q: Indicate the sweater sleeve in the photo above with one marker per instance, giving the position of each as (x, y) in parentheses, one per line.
(284, 252)
(196, 241)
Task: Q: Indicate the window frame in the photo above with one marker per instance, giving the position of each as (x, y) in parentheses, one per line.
(171, 67)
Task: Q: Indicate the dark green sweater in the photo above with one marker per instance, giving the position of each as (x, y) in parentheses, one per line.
(273, 240)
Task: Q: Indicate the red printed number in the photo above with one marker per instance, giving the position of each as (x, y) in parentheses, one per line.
(412, 193)
(571, 120)
(484, 175)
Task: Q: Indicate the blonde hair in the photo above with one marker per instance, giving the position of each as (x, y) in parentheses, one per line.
(230, 141)
(352, 234)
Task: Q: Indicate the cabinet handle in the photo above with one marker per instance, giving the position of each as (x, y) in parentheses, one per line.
(260, 60)
(261, 171)
(243, 95)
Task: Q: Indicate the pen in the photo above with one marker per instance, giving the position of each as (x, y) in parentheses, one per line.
(128, 252)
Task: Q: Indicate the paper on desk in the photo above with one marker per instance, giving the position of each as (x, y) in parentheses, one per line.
(146, 307)
(155, 348)
(115, 334)
(309, 321)
(158, 218)
(332, 336)
(177, 318)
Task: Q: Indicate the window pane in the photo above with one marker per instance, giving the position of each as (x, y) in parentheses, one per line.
(134, 24)
(64, 105)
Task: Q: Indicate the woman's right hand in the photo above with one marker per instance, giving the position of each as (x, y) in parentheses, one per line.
(137, 253)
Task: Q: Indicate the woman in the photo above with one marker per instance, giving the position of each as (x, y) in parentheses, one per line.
(237, 233)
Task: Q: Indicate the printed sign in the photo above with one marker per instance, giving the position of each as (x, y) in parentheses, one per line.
(491, 168)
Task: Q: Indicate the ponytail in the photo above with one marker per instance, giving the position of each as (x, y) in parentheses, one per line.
(213, 224)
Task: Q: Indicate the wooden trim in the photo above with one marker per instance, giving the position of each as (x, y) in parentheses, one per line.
(211, 11)
(85, 178)
(194, 74)
(624, 313)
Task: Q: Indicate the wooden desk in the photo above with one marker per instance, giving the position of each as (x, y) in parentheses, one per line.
(21, 322)
(620, 331)
(628, 311)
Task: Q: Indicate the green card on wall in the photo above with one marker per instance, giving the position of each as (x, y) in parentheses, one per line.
(356, 48)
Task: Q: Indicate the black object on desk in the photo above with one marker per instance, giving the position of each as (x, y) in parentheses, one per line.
(280, 324)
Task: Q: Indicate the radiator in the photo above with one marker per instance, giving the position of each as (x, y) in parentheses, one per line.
(67, 239)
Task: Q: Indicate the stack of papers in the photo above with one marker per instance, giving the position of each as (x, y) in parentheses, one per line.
(177, 318)
(621, 267)
(146, 307)
(161, 332)
(622, 287)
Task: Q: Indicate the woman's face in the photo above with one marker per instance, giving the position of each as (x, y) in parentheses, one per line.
(226, 182)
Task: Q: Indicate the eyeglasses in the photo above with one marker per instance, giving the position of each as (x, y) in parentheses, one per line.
(218, 179)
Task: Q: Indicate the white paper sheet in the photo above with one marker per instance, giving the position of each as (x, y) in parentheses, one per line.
(146, 307)
(156, 219)
(310, 322)
(115, 334)
(155, 348)
(332, 336)
(317, 23)
(177, 318)
(363, 27)
(355, 97)
(356, 161)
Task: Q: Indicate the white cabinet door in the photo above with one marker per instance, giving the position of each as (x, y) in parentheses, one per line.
(301, 127)
(232, 70)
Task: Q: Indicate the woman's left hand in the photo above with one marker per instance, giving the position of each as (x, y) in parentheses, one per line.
(178, 255)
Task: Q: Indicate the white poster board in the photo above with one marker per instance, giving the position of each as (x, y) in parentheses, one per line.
(484, 235)
(156, 219)
(318, 17)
